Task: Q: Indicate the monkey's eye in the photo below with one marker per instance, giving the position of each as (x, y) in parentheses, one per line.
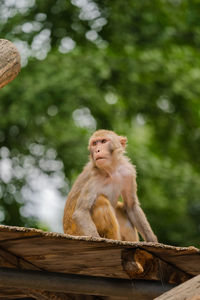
(104, 141)
(94, 143)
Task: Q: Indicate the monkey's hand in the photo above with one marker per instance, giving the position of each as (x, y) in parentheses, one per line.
(151, 237)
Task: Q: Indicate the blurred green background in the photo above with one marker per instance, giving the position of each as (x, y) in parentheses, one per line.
(129, 66)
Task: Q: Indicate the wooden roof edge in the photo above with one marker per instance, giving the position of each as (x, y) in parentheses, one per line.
(39, 232)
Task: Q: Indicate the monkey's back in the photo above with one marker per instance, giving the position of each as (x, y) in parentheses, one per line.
(69, 226)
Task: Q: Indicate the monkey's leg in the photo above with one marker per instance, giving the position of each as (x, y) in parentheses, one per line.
(128, 231)
(103, 216)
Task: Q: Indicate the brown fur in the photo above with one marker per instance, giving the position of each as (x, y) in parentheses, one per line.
(103, 215)
(127, 230)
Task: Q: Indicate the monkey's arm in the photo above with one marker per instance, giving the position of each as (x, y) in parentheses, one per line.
(135, 212)
(82, 216)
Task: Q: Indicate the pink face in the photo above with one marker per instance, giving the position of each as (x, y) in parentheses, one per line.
(100, 150)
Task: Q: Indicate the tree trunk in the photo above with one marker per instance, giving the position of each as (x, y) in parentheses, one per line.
(9, 62)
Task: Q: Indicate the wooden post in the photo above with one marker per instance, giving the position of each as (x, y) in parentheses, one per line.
(79, 284)
(9, 62)
(189, 290)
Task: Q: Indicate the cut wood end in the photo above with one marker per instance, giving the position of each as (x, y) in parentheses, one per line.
(9, 62)
(136, 262)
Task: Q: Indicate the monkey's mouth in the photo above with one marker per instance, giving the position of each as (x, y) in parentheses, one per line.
(99, 158)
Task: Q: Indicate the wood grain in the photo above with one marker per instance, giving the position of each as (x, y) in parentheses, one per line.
(9, 62)
(189, 290)
(31, 249)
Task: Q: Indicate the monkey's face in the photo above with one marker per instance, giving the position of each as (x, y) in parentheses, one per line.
(101, 151)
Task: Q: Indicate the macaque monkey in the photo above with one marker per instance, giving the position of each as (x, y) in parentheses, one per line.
(92, 207)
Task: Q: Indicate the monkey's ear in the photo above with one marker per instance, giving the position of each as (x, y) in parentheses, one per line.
(123, 141)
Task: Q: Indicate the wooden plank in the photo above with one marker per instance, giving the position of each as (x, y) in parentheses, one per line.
(97, 257)
(45, 295)
(50, 246)
(68, 257)
(82, 257)
(14, 233)
(11, 293)
(9, 62)
(189, 290)
(9, 260)
(84, 285)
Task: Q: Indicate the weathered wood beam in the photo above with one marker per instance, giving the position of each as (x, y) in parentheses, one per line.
(8, 260)
(79, 284)
(189, 290)
(9, 62)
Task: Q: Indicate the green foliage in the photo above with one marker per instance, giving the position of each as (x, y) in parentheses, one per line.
(128, 66)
